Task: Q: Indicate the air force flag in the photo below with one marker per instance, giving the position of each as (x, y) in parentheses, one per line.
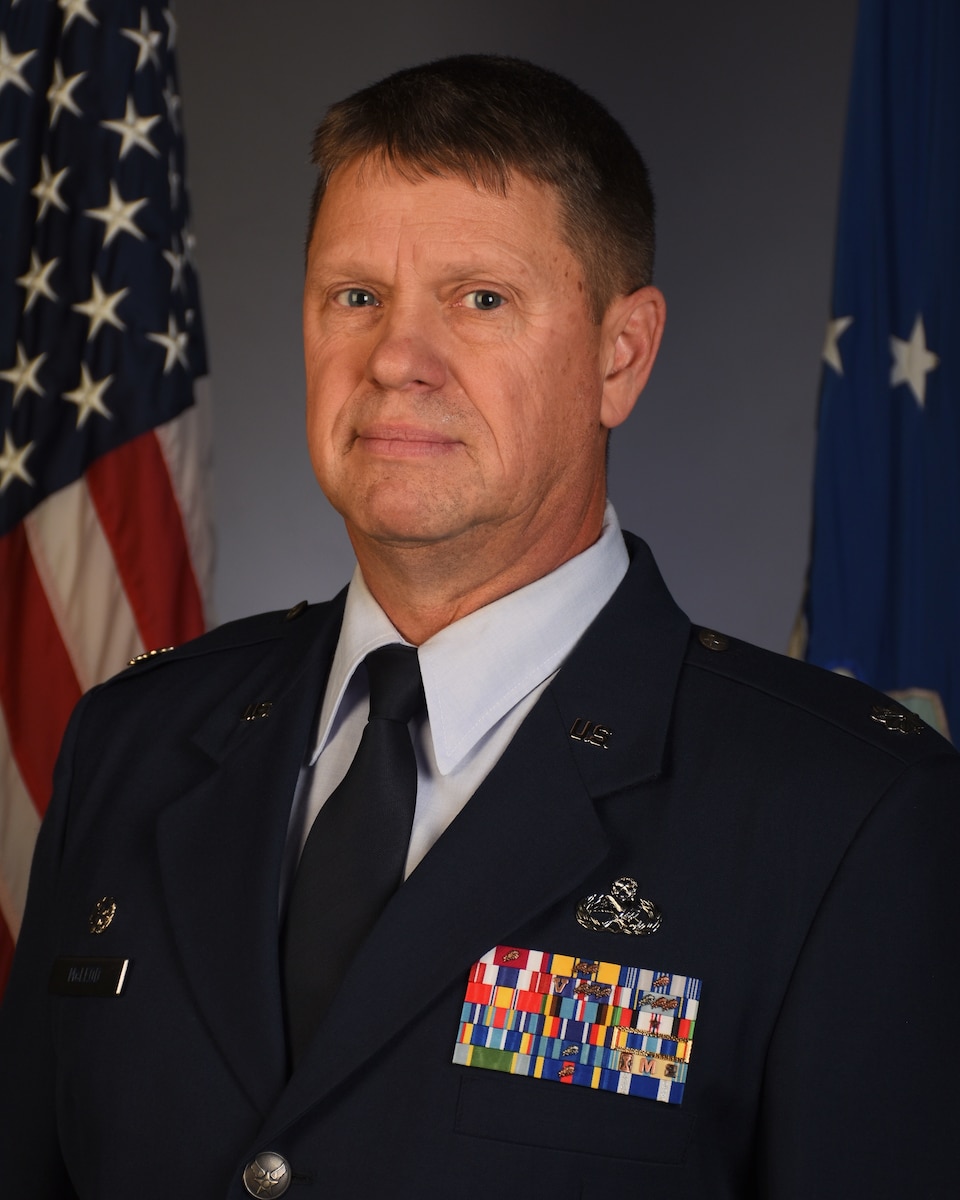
(883, 599)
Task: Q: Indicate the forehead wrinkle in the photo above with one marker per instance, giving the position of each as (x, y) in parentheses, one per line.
(428, 254)
(464, 232)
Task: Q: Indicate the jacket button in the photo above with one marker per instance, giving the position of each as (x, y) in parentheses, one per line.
(713, 641)
(268, 1175)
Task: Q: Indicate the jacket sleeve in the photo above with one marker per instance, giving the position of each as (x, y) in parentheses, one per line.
(28, 1117)
(860, 1095)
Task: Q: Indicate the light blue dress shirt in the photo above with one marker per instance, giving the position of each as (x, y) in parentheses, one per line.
(481, 676)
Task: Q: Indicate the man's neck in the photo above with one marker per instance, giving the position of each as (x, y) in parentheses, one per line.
(424, 587)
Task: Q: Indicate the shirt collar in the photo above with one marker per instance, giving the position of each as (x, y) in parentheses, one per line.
(477, 669)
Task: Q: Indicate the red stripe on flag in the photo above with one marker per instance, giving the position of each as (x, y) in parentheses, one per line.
(38, 685)
(138, 510)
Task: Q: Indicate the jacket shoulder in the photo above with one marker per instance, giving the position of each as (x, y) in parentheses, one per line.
(299, 623)
(806, 692)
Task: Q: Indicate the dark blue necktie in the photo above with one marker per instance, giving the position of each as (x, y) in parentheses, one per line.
(354, 856)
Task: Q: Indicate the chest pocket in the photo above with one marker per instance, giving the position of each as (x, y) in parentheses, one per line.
(546, 1115)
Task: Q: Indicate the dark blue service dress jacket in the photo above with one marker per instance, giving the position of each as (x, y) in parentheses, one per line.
(797, 833)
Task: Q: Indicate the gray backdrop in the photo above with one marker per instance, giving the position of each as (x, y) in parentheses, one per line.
(738, 107)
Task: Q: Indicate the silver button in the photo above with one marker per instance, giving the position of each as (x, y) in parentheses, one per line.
(268, 1175)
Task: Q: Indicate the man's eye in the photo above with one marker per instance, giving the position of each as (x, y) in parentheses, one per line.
(356, 298)
(483, 299)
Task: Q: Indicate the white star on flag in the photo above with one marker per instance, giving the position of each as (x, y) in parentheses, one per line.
(37, 280)
(173, 181)
(12, 462)
(101, 308)
(147, 41)
(177, 260)
(913, 362)
(11, 66)
(831, 349)
(5, 148)
(47, 191)
(74, 9)
(118, 215)
(172, 101)
(60, 93)
(134, 130)
(174, 341)
(24, 375)
(189, 245)
(88, 397)
(171, 28)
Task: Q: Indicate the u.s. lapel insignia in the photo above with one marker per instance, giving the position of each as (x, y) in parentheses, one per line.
(592, 733)
(600, 1025)
(256, 712)
(619, 911)
(102, 914)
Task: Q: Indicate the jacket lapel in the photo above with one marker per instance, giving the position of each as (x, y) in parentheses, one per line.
(616, 691)
(525, 840)
(221, 847)
(480, 881)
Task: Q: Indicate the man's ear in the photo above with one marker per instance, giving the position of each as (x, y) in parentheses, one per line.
(632, 328)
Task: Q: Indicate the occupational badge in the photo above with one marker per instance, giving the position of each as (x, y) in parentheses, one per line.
(620, 911)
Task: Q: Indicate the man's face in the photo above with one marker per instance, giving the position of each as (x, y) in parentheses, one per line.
(454, 376)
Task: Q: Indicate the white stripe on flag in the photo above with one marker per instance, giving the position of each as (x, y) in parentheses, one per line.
(76, 566)
(186, 444)
(19, 823)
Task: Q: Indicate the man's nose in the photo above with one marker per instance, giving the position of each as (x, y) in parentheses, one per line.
(408, 352)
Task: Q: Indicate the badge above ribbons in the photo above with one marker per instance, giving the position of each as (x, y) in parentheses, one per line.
(591, 1024)
(620, 911)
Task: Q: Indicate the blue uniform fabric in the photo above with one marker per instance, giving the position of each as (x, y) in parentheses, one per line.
(802, 854)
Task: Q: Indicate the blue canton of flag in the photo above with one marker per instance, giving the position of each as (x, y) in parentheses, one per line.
(100, 333)
(884, 587)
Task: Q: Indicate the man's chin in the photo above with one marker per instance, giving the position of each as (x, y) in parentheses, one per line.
(409, 529)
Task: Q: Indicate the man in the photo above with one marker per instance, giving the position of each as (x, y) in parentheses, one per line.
(630, 835)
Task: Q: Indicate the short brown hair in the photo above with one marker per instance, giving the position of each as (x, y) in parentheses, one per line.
(485, 118)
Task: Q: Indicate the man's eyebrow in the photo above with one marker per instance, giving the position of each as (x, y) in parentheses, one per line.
(508, 268)
(480, 266)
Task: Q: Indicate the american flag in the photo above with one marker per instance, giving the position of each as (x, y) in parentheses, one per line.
(105, 549)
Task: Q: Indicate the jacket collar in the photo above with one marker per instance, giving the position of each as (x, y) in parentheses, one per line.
(616, 690)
